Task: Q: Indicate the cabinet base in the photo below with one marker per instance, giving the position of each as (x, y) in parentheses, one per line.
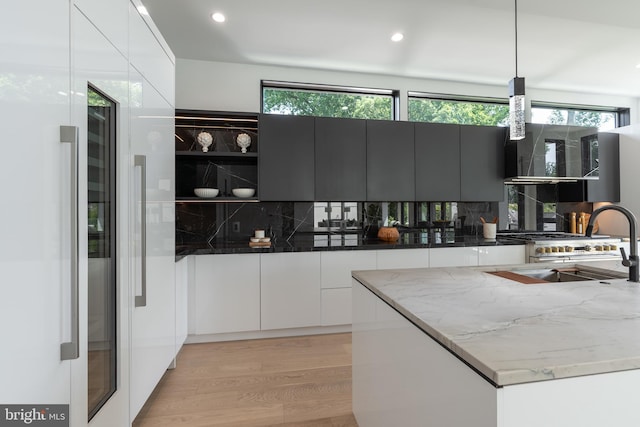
(276, 333)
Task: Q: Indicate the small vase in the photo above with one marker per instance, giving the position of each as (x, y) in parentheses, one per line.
(244, 141)
(388, 234)
(205, 140)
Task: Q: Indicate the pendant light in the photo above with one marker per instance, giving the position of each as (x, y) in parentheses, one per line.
(516, 95)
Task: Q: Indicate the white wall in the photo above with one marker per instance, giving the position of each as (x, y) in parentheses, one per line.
(236, 87)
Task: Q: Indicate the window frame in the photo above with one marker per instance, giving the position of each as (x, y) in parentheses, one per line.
(622, 115)
(327, 88)
(454, 98)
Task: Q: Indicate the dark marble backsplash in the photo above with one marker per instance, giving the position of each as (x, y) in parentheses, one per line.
(211, 223)
(526, 208)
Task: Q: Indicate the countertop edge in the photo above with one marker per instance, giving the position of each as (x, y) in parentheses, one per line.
(501, 377)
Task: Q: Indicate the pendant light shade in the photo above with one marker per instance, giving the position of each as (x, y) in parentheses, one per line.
(516, 108)
(516, 95)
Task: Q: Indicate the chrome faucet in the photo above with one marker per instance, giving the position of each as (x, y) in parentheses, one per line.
(632, 262)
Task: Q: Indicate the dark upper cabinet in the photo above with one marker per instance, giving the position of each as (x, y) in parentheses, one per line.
(437, 162)
(340, 165)
(390, 164)
(482, 163)
(286, 163)
(607, 187)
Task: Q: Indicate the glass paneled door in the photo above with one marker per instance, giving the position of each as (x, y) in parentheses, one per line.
(101, 175)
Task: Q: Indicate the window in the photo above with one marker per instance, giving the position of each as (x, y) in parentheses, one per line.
(603, 118)
(328, 101)
(458, 110)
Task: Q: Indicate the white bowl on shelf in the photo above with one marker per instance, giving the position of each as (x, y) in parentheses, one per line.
(243, 192)
(207, 193)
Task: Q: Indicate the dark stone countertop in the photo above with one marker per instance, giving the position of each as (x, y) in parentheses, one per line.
(308, 242)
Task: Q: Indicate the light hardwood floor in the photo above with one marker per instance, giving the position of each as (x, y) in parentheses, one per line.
(301, 381)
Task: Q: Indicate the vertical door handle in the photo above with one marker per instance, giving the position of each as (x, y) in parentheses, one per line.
(69, 135)
(141, 161)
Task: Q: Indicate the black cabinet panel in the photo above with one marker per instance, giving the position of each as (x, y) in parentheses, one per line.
(390, 164)
(286, 164)
(482, 163)
(340, 167)
(607, 187)
(437, 162)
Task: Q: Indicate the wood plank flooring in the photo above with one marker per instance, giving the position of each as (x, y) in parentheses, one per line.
(300, 381)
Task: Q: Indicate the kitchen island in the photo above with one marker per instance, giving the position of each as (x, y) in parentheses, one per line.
(463, 347)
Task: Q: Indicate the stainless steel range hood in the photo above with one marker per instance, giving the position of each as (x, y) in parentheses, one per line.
(552, 154)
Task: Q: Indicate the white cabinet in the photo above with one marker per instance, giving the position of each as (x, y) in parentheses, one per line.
(402, 377)
(153, 325)
(151, 58)
(336, 266)
(110, 17)
(336, 306)
(501, 255)
(335, 279)
(184, 273)
(227, 293)
(34, 261)
(290, 290)
(454, 257)
(403, 258)
(49, 60)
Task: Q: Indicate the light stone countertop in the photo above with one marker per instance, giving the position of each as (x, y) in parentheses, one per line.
(514, 333)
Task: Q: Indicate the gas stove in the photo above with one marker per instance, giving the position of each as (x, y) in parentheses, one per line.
(546, 246)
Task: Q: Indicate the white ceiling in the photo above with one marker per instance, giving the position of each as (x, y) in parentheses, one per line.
(577, 45)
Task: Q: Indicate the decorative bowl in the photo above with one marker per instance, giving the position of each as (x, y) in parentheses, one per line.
(254, 239)
(243, 192)
(206, 192)
(388, 234)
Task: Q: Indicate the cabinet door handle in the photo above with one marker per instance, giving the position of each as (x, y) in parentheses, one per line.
(141, 161)
(69, 135)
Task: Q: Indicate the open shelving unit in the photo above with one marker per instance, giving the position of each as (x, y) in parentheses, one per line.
(223, 166)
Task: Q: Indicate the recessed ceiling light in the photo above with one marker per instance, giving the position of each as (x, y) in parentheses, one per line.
(218, 17)
(638, 66)
(143, 10)
(397, 37)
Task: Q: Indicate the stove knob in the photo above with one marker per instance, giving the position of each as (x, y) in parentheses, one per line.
(560, 248)
(540, 250)
(605, 248)
(600, 248)
(568, 248)
(554, 249)
(613, 248)
(587, 248)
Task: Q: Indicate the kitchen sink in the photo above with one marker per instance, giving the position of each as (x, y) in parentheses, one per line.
(572, 274)
(559, 274)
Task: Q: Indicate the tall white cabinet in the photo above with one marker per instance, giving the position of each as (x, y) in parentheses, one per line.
(54, 49)
(34, 249)
(153, 321)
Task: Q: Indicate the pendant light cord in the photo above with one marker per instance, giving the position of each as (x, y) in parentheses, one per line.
(516, 32)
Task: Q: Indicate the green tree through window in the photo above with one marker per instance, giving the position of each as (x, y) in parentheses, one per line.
(603, 120)
(458, 112)
(327, 104)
